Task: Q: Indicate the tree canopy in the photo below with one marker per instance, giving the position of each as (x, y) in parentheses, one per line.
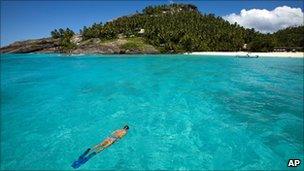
(64, 36)
(181, 27)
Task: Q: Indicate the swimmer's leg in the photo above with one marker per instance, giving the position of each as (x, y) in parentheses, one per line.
(91, 155)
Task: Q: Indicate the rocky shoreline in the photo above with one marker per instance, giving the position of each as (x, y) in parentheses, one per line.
(44, 45)
(117, 46)
(91, 46)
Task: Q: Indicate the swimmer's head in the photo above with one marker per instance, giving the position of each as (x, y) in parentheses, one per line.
(126, 127)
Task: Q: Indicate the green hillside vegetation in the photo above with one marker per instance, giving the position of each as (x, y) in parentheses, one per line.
(64, 36)
(289, 37)
(182, 28)
(135, 44)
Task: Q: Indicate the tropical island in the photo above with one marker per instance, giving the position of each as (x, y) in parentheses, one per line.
(174, 28)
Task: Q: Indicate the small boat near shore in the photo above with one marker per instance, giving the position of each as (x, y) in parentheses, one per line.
(247, 56)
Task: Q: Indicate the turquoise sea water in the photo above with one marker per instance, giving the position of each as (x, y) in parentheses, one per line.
(184, 112)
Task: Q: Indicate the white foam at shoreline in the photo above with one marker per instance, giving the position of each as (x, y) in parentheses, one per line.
(260, 54)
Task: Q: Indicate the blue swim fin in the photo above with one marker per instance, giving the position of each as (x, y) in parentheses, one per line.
(76, 164)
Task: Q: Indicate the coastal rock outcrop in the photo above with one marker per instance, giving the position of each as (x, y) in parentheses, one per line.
(117, 46)
(76, 39)
(90, 46)
(44, 45)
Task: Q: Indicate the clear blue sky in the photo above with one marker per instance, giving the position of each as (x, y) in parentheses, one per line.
(22, 20)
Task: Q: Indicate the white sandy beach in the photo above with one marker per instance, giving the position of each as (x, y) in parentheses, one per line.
(260, 54)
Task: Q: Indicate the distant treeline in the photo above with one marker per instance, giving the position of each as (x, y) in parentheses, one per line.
(182, 28)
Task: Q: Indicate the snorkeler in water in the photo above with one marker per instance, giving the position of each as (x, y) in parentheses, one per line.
(89, 153)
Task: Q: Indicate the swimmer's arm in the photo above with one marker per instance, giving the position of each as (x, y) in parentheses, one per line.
(114, 134)
(102, 147)
(118, 134)
(98, 150)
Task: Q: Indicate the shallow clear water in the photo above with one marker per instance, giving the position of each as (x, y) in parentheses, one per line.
(184, 112)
